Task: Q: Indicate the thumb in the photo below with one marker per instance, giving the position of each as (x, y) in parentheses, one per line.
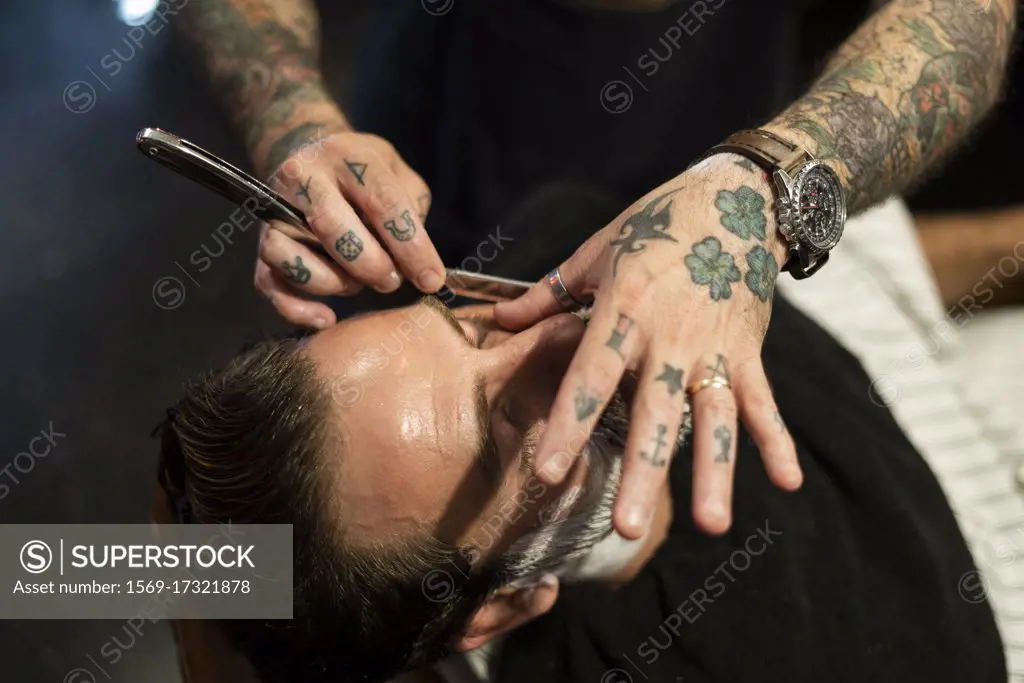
(578, 274)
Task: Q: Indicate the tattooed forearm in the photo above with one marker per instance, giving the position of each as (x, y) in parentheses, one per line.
(902, 92)
(656, 458)
(262, 58)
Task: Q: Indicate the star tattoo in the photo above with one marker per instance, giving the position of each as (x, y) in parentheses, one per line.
(673, 377)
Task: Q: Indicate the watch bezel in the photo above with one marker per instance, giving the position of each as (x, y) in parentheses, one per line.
(796, 227)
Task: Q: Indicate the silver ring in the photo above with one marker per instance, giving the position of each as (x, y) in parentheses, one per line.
(562, 295)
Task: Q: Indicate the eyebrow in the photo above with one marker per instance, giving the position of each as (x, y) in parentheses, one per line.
(487, 460)
(435, 304)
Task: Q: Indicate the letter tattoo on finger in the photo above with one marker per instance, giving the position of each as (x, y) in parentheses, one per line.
(357, 169)
(719, 368)
(303, 190)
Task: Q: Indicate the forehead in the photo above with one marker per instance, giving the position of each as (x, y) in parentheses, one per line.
(401, 384)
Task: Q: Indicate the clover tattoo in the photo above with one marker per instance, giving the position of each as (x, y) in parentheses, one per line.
(709, 265)
(763, 272)
(742, 212)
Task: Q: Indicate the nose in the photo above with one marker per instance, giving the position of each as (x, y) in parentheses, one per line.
(537, 357)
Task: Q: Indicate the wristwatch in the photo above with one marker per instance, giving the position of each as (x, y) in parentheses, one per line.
(810, 204)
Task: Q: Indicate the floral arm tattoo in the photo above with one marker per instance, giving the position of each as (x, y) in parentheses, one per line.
(262, 57)
(902, 91)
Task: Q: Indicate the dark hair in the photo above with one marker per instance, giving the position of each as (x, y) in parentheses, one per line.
(253, 443)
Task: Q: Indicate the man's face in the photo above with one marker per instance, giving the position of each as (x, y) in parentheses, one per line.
(435, 420)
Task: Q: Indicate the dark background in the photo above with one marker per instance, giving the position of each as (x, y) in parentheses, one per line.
(90, 226)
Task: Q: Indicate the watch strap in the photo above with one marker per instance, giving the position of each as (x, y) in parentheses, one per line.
(765, 149)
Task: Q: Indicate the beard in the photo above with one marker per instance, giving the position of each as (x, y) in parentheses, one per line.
(581, 518)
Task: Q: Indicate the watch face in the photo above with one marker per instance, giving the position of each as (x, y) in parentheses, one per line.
(819, 205)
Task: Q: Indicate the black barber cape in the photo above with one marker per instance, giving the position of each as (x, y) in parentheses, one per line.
(854, 578)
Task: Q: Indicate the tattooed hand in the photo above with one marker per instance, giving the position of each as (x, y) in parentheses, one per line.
(366, 206)
(683, 284)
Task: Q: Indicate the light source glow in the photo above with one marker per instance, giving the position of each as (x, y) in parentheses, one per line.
(136, 12)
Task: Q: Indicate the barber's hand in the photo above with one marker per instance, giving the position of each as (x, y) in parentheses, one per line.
(367, 208)
(683, 283)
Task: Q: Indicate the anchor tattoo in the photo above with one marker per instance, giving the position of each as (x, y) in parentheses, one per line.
(655, 458)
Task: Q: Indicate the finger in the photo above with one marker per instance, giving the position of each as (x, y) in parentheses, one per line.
(290, 306)
(592, 377)
(371, 185)
(714, 448)
(415, 186)
(339, 229)
(539, 302)
(655, 419)
(303, 269)
(761, 416)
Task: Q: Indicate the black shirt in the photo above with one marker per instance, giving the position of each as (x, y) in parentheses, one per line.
(498, 102)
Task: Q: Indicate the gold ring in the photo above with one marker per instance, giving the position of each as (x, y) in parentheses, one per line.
(716, 382)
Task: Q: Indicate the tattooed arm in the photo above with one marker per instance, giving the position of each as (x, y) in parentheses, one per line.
(362, 201)
(683, 279)
(262, 56)
(903, 91)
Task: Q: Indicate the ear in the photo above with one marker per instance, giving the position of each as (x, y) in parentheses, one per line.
(508, 608)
